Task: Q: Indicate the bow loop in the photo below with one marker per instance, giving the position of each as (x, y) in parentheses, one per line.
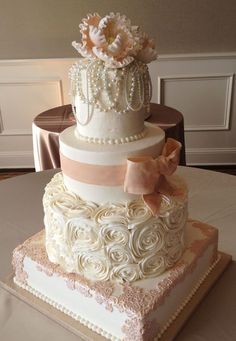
(141, 175)
(169, 159)
(147, 176)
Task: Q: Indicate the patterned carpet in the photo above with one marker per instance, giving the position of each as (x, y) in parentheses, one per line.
(9, 173)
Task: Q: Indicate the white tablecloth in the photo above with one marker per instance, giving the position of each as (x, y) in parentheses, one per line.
(212, 199)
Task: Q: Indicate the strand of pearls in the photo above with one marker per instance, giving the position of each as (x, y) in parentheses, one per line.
(136, 77)
(90, 105)
(149, 91)
(117, 90)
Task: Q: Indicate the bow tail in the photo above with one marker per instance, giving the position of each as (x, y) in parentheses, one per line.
(153, 201)
(171, 187)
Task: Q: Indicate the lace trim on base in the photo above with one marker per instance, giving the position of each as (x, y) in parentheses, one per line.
(103, 332)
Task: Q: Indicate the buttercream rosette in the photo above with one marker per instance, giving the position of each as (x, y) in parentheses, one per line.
(121, 242)
(81, 234)
(113, 40)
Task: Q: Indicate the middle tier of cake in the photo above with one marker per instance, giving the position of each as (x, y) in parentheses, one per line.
(119, 242)
(96, 171)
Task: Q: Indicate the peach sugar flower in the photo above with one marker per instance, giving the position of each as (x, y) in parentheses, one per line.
(113, 40)
(147, 53)
(85, 48)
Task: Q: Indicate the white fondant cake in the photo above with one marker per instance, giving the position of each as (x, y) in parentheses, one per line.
(105, 161)
(116, 253)
(110, 104)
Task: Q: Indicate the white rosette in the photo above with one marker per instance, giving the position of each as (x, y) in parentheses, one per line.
(61, 203)
(93, 265)
(54, 187)
(125, 273)
(147, 239)
(114, 234)
(64, 202)
(173, 255)
(52, 251)
(82, 234)
(54, 226)
(69, 262)
(176, 216)
(174, 247)
(173, 238)
(83, 209)
(111, 214)
(137, 213)
(70, 205)
(55, 244)
(118, 254)
(59, 253)
(152, 266)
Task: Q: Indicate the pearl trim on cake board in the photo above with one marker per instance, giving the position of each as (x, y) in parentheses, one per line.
(187, 300)
(66, 311)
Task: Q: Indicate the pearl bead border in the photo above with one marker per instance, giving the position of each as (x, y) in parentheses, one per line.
(66, 311)
(101, 331)
(120, 140)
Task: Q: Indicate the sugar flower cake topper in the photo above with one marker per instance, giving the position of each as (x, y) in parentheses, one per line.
(114, 40)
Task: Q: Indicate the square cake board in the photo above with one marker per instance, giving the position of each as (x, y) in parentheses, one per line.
(86, 334)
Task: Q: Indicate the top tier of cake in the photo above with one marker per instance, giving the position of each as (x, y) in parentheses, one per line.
(110, 104)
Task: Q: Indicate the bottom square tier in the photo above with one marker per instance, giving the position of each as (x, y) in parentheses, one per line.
(136, 311)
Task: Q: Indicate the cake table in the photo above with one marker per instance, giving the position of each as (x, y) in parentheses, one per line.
(212, 199)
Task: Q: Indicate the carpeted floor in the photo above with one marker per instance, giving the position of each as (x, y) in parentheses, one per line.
(222, 169)
(9, 173)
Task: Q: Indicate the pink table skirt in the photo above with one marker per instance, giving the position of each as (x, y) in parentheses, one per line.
(46, 129)
(48, 125)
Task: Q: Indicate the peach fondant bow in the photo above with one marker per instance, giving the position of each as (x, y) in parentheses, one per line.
(147, 176)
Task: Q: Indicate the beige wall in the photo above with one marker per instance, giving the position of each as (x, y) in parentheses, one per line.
(45, 28)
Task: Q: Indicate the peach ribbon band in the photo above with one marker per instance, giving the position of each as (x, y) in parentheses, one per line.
(142, 175)
(147, 176)
(93, 174)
